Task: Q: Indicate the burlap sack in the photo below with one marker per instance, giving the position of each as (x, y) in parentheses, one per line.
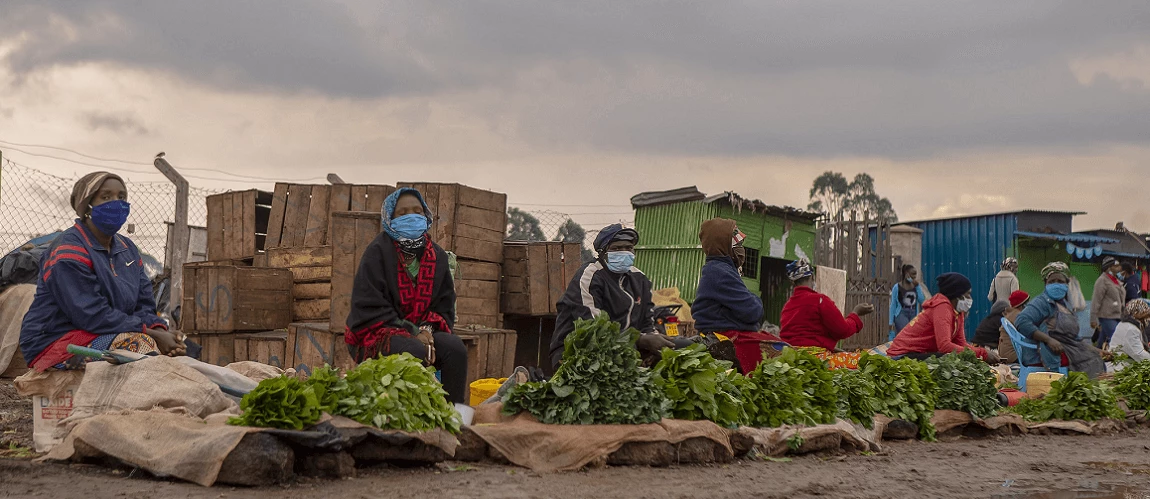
(843, 434)
(14, 303)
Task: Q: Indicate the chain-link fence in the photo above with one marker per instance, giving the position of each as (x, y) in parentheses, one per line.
(34, 204)
(548, 225)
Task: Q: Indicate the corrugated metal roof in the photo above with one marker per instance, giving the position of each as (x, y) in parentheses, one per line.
(656, 198)
(1067, 238)
(998, 214)
(692, 193)
(1142, 256)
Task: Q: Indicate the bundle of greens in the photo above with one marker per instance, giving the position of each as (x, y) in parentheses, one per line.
(395, 392)
(856, 396)
(795, 388)
(599, 382)
(700, 387)
(1132, 383)
(327, 384)
(1072, 397)
(905, 389)
(964, 384)
(283, 402)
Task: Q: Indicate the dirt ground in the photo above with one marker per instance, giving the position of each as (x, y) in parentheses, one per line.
(1047, 467)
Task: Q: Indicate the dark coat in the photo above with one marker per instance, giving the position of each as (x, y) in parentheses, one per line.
(723, 302)
(375, 293)
(626, 298)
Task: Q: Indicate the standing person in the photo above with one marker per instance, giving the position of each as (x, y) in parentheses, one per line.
(906, 299)
(1006, 282)
(1109, 297)
(723, 304)
(940, 328)
(1049, 322)
(988, 333)
(1128, 337)
(93, 290)
(811, 319)
(1131, 281)
(403, 296)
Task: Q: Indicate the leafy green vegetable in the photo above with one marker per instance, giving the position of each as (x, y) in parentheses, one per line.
(1072, 397)
(283, 402)
(599, 382)
(700, 387)
(964, 384)
(856, 396)
(1132, 383)
(327, 384)
(795, 388)
(905, 388)
(395, 392)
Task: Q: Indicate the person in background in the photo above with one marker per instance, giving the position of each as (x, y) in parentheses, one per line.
(1049, 322)
(1128, 336)
(611, 284)
(906, 299)
(1109, 298)
(988, 333)
(812, 319)
(1006, 282)
(940, 328)
(93, 290)
(723, 304)
(1131, 281)
(403, 296)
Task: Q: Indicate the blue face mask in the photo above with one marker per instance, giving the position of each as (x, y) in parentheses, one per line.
(620, 262)
(410, 226)
(1057, 291)
(110, 216)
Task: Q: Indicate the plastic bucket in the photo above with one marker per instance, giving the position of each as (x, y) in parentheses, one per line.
(483, 389)
(466, 413)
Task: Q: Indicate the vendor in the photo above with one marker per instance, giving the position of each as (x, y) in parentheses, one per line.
(1049, 322)
(812, 319)
(611, 284)
(93, 290)
(989, 334)
(403, 298)
(723, 304)
(1128, 336)
(940, 328)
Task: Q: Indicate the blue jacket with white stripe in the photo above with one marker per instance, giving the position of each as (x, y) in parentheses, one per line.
(84, 286)
(626, 298)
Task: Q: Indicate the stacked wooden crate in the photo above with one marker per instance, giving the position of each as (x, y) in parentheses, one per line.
(311, 280)
(237, 224)
(536, 274)
(352, 232)
(222, 300)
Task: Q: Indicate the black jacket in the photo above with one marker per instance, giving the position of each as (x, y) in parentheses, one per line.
(1133, 288)
(375, 294)
(626, 298)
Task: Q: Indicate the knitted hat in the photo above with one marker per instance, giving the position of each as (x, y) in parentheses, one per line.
(1019, 297)
(953, 285)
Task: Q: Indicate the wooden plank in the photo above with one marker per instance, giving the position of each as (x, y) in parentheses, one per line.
(215, 224)
(188, 300)
(516, 268)
(376, 194)
(516, 303)
(341, 356)
(221, 284)
(572, 262)
(264, 300)
(276, 216)
(219, 349)
(480, 271)
(494, 354)
(485, 251)
(271, 279)
(311, 274)
(472, 344)
(445, 209)
(289, 348)
(260, 260)
(537, 287)
(311, 310)
(240, 348)
(478, 233)
(478, 198)
(237, 226)
(319, 256)
(229, 230)
(556, 286)
(313, 291)
(343, 269)
(339, 198)
(509, 346)
(319, 216)
(295, 218)
(366, 229)
(476, 289)
(267, 348)
(484, 219)
(358, 198)
(478, 320)
(515, 285)
(314, 346)
(514, 251)
(476, 306)
(248, 215)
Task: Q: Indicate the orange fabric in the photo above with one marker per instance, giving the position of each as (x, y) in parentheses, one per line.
(835, 360)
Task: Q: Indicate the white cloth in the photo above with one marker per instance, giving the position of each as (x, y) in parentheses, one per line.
(1127, 339)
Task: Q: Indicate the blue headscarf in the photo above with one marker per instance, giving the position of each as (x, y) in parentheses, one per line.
(410, 245)
(799, 269)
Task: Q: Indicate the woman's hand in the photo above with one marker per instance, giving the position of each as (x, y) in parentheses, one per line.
(864, 309)
(1054, 345)
(169, 342)
(654, 342)
(426, 337)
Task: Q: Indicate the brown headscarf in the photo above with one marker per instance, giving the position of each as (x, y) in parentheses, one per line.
(716, 235)
(86, 189)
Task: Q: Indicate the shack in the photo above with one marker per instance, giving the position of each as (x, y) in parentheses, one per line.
(670, 254)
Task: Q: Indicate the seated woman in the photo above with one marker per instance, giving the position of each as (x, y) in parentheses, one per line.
(93, 290)
(1128, 337)
(403, 298)
(723, 304)
(989, 334)
(939, 329)
(811, 319)
(1049, 322)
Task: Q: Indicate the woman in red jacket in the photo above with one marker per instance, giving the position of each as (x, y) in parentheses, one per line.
(940, 328)
(811, 319)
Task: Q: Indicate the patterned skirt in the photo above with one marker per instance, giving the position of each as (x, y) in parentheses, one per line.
(835, 360)
(132, 342)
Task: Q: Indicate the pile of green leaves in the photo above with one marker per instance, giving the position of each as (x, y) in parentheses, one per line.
(856, 396)
(905, 390)
(283, 402)
(795, 388)
(1072, 397)
(700, 387)
(395, 392)
(964, 384)
(599, 382)
(1132, 383)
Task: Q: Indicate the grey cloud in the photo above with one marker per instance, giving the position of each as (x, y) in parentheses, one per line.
(119, 123)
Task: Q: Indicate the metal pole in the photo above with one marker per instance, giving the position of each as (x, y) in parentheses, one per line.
(180, 233)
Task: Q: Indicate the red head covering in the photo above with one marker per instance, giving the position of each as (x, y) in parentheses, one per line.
(1019, 297)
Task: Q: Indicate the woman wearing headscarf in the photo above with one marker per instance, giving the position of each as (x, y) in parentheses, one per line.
(906, 299)
(1128, 336)
(1006, 282)
(723, 304)
(403, 298)
(940, 328)
(811, 319)
(93, 290)
(1049, 322)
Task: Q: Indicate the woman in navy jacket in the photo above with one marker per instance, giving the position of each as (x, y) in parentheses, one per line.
(723, 304)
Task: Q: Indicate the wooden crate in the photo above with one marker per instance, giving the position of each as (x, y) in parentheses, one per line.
(469, 222)
(237, 224)
(311, 277)
(536, 274)
(301, 214)
(351, 232)
(477, 303)
(490, 352)
(216, 349)
(311, 345)
(226, 298)
(266, 348)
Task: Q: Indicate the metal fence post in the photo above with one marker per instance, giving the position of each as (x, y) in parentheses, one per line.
(180, 232)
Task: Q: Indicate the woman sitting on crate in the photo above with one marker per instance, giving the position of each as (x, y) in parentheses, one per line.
(941, 327)
(811, 319)
(723, 304)
(1049, 322)
(93, 290)
(403, 299)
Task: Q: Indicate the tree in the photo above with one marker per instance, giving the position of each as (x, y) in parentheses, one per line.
(831, 194)
(523, 226)
(571, 232)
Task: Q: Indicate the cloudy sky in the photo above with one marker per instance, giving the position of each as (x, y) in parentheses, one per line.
(953, 107)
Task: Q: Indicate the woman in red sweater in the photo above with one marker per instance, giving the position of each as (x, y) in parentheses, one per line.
(940, 328)
(811, 319)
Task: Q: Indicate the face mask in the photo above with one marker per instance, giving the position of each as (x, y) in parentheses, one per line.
(739, 255)
(410, 226)
(965, 304)
(620, 262)
(110, 216)
(1120, 275)
(1057, 291)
